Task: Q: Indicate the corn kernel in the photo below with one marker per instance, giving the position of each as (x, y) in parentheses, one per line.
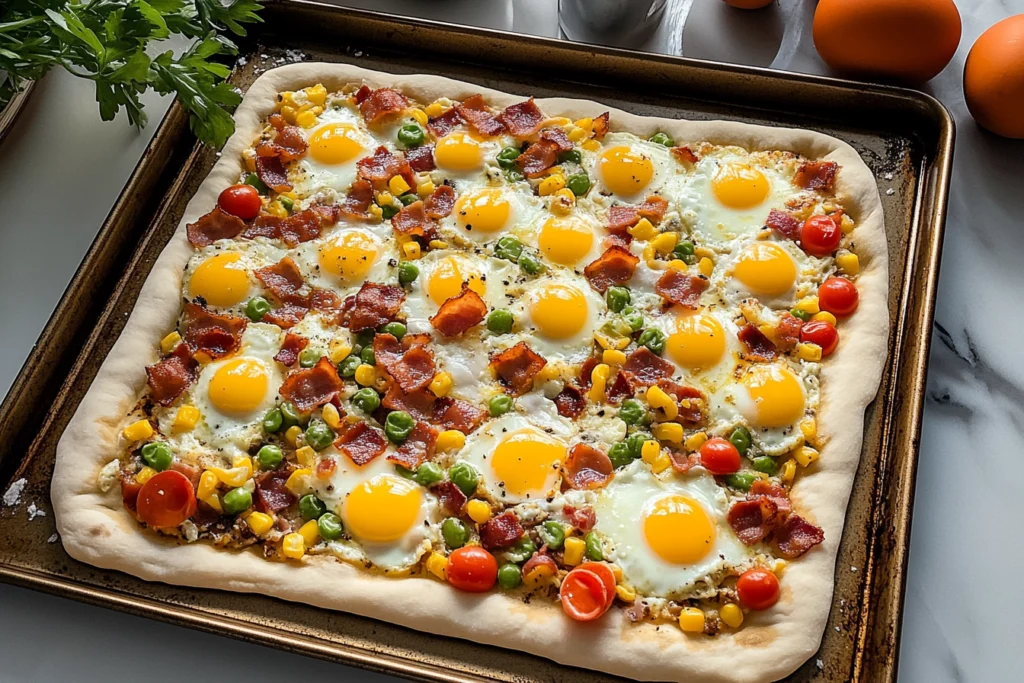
(695, 441)
(825, 316)
(276, 208)
(317, 94)
(419, 116)
(591, 145)
(562, 202)
(809, 304)
(555, 170)
(138, 431)
(613, 357)
(306, 456)
(310, 533)
(599, 382)
(185, 419)
(398, 185)
(235, 476)
(809, 428)
(450, 440)
(202, 357)
(411, 251)
(586, 124)
(551, 185)
(338, 350)
(288, 113)
(661, 463)
(643, 230)
(808, 352)
(437, 564)
(145, 474)
(259, 522)
(704, 252)
(846, 224)
(384, 198)
(438, 244)
(574, 549)
(665, 242)
(706, 266)
(434, 110)
(365, 375)
(691, 620)
(291, 435)
(650, 451)
(731, 614)
(331, 416)
(305, 119)
(376, 212)
(659, 400)
(213, 500)
(676, 264)
(788, 472)
(168, 343)
(577, 134)
(208, 483)
(298, 481)
(441, 384)
(616, 572)
(625, 593)
(538, 575)
(478, 511)
(668, 431)
(649, 254)
(805, 455)
(849, 263)
(425, 188)
(293, 546)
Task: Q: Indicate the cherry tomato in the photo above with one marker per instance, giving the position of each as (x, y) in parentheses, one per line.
(584, 595)
(240, 200)
(166, 500)
(719, 456)
(758, 588)
(822, 333)
(820, 235)
(472, 569)
(838, 296)
(603, 572)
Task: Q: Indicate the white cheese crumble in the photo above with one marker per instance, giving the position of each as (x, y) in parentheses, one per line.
(190, 530)
(108, 475)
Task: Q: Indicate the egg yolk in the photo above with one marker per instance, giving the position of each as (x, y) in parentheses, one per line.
(458, 152)
(678, 529)
(559, 311)
(219, 282)
(446, 281)
(766, 268)
(484, 210)
(238, 386)
(526, 463)
(739, 186)
(349, 256)
(624, 171)
(565, 241)
(698, 342)
(335, 143)
(382, 509)
(777, 395)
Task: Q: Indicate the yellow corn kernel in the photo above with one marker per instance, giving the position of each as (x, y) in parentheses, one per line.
(555, 170)
(450, 440)
(574, 549)
(591, 145)
(665, 242)
(846, 224)
(808, 352)
(145, 474)
(788, 472)
(298, 481)
(599, 382)
(586, 124)
(426, 188)
(306, 456)
(411, 251)
(310, 533)
(202, 357)
(649, 254)
(613, 357)
(259, 523)
(384, 198)
(213, 500)
(185, 419)
(659, 400)
(331, 416)
(438, 244)
(809, 304)
(668, 431)
(809, 428)
(704, 252)
(376, 212)
(731, 614)
(418, 115)
(805, 455)
(625, 593)
(551, 185)
(478, 511)
(677, 264)
(695, 441)
(825, 316)
(338, 350)
(616, 572)
(168, 343)
(249, 157)
(539, 575)
(305, 119)
(208, 483)
(849, 263)
(441, 384)
(365, 375)
(291, 435)
(562, 202)
(293, 546)
(437, 564)
(650, 451)
(288, 113)
(577, 134)
(691, 620)
(661, 463)
(276, 208)
(706, 266)
(398, 185)
(643, 230)
(138, 431)
(235, 476)
(434, 110)
(317, 94)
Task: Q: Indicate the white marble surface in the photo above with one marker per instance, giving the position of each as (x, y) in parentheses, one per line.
(62, 169)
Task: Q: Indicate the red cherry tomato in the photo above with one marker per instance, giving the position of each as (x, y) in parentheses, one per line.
(758, 588)
(603, 572)
(472, 569)
(838, 296)
(719, 456)
(166, 500)
(584, 595)
(820, 235)
(240, 200)
(822, 333)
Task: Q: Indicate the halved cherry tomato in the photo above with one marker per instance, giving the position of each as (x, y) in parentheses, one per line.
(820, 235)
(603, 572)
(166, 500)
(472, 569)
(584, 595)
(240, 200)
(719, 456)
(758, 588)
(822, 333)
(838, 296)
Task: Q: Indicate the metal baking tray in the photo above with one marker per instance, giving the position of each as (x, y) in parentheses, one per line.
(906, 138)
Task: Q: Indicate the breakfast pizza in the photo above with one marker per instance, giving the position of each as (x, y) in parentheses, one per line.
(535, 373)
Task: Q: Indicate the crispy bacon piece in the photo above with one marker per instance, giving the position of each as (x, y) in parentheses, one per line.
(614, 267)
(357, 201)
(411, 368)
(454, 413)
(614, 239)
(681, 288)
(411, 220)
(440, 203)
(288, 145)
(326, 467)
(516, 367)
(360, 95)
(271, 493)
(445, 123)
(475, 112)
(817, 175)
(623, 216)
(213, 226)
(796, 536)
(379, 103)
(647, 367)
(501, 531)
(459, 313)
(384, 165)
(214, 334)
(523, 119)
(300, 227)
(783, 223)
(362, 443)
(582, 518)
(538, 158)
(685, 155)
(450, 496)
(286, 316)
(420, 404)
(625, 384)
(265, 225)
(768, 489)
(587, 468)
(169, 378)
(570, 402)
(284, 280)
(557, 136)
(601, 126)
(683, 462)
(691, 401)
(787, 332)
(311, 387)
(587, 369)
(375, 305)
(273, 174)
(421, 159)
(752, 520)
(418, 448)
(759, 347)
(289, 353)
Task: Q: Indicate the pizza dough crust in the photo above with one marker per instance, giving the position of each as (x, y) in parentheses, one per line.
(96, 529)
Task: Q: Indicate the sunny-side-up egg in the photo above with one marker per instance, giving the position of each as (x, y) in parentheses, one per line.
(347, 256)
(667, 534)
(392, 519)
(464, 154)
(444, 272)
(484, 212)
(701, 344)
(770, 271)
(558, 315)
(574, 240)
(224, 278)
(337, 141)
(627, 168)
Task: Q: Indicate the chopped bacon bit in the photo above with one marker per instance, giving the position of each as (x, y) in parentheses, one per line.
(796, 536)
(817, 175)
(420, 339)
(759, 347)
(587, 468)
(582, 518)
(475, 112)
(624, 216)
(289, 353)
(421, 159)
(357, 201)
(614, 267)
(312, 387)
(288, 145)
(787, 332)
(453, 413)
(387, 351)
(516, 367)
(445, 123)
(623, 240)
(538, 158)
(683, 462)
(625, 384)
(375, 305)
(326, 468)
(172, 376)
(214, 334)
(384, 165)
(286, 316)
(265, 225)
(681, 288)
(539, 559)
(685, 155)
(362, 443)
(271, 493)
(381, 102)
(691, 401)
(213, 226)
(459, 313)
(360, 95)
(557, 136)
(284, 280)
(420, 404)
(601, 126)
(418, 448)
(587, 369)
(273, 174)
(300, 227)
(411, 220)
(653, 208)
(500, 531)
(440, 203)
(777, 494)
(752, 520)
(412, 369)
(647, 367)
(783, 223)
(450, 496)
(570, 402)
(522, 119)
(277, 121)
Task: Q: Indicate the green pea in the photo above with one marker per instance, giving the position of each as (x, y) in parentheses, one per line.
(617, 298)
(683, 249)
(290, 415)
(653, 339)
(521, 550)
(578, 183)
(530, 264)
(329, 526)
(365, 338)
(236, 500)
(311, 507)
(741, 480)
(455, 533)
(254, 180)
(464, 476)
(619, 454)
(500, 321)
(269, 457)
(388, 211)
(347, 367)
(157, 455)
(407, 273)
(509, 576)
(499, 405)
(395, 329)
(408, 198)
(256, 308)
(398, 426)
(514, 175)
(428, 474)
(594, 551)
(635, 442)
(508, 248)
(740, 438)
(366, 399)
(570, 156)
(308, 357)
(766, 464)
(272, 421)
(287, 203)
(801, 314)
(507, 158)
(631, 411)
(552, 533)
(410, 135)
(318, 435)
(366, 355)
(633, 317)
(662, 139)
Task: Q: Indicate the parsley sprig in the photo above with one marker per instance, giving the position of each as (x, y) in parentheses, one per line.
(110, 42)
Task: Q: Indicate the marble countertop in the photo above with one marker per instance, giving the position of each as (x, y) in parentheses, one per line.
(62, 169)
